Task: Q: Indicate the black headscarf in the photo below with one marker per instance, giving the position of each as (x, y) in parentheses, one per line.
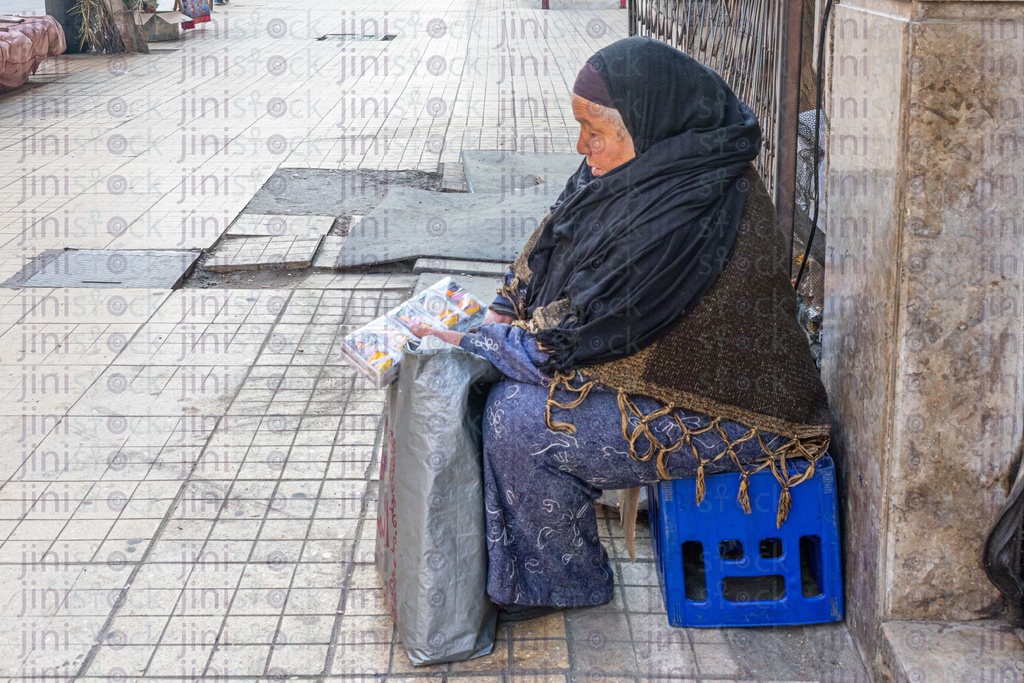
(637, 247)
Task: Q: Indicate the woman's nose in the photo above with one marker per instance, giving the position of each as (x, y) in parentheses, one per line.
(580, 147)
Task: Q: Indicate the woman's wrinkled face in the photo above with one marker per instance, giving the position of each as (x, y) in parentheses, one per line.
(605, 145)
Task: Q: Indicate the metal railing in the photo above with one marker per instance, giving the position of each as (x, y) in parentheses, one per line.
(755, 46)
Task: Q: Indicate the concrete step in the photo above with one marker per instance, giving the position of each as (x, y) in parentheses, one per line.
(953, 652)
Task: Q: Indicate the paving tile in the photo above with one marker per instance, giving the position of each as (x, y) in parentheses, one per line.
(356, 631)
(364, 659)
(173, 660)
(330, 249)
(238, 660)
(551, 626)
(333, 528)
(313, 601)
(550, 653)
(644, 599)
(637, 573)
(306, 629)
(719, 660)
(192, 631)
(365, 601)
(269, 225)
(495, 662)
(672, 656)
(149, 601)
(120, 661)
(603, 623)
(135, 631)
(253, 253)
(258, 601)
(291, 659)
(240, 629)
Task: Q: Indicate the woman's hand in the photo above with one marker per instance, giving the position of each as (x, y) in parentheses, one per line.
(452, 338)
(493, 316)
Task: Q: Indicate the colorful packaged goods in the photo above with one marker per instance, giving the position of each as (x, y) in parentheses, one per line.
(376, 349)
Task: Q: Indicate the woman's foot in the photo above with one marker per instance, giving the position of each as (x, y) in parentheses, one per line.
(509, 613)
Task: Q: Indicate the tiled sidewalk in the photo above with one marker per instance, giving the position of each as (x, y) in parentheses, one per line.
(188, 480)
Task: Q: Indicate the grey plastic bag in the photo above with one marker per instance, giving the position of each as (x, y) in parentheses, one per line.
(431, 541)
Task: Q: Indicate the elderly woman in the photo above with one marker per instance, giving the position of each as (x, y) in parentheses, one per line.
(647, 331)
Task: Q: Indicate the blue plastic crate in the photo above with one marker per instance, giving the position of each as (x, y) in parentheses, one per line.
(718, 566)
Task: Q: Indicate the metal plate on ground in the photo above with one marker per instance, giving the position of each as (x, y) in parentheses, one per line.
(410, 224)
(100, 268)
(497, 171)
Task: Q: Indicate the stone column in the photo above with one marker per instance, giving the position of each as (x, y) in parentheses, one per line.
(925, 284)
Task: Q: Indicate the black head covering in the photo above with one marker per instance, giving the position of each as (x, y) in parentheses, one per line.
(590, 85)
(637, 247)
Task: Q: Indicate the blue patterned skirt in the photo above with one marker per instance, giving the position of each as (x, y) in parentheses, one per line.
(540, 488)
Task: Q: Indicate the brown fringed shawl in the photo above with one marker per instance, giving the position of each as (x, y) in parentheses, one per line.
(738, 356)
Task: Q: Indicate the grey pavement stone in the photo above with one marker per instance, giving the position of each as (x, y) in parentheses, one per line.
(549, 653)
(410, 224)
(258, 601)
(301, 629)
(298, 659)
(356, 658)
(501, 172)
(333, 192)
(173, 660)
(239, 660)
(120, 660)
(136, 631)
(248, 630)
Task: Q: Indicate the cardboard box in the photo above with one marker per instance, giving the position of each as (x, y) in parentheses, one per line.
(164, 25)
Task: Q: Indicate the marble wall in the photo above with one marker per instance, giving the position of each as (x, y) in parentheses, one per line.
(925, 285)
(862, 281)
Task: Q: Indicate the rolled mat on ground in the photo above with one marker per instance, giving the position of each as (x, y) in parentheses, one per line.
(24, 44)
